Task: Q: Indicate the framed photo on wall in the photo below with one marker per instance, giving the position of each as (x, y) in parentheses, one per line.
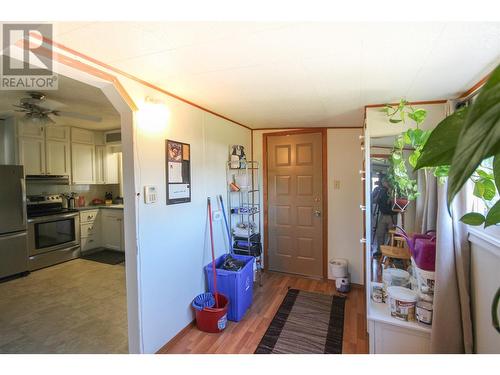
(178, 164)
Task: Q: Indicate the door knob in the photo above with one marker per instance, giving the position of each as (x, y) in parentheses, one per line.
(317, 213)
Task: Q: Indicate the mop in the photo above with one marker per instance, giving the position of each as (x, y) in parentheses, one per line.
(213, 252)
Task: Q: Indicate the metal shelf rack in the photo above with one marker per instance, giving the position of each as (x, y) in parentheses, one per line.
(245, 211)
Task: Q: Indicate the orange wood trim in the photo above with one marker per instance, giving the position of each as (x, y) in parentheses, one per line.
(382, 156)
(132, 77)
(440, 101)
(477, 86)
(265, 198)
(324, 151)
(183, 332)
(313, 127)
(324, 178)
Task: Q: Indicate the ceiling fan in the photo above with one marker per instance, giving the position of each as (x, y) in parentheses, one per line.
(38, 108)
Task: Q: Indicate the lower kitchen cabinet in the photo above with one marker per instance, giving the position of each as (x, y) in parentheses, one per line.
(112, 229)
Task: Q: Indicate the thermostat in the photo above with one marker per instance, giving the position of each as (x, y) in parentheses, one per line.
(150, 194)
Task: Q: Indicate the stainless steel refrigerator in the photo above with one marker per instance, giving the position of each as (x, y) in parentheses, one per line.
(13, 227)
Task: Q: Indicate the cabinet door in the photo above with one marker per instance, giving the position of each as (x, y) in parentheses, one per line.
(112, 166)
(57, 133)
(27, 129)
(100, 164)
(58, 157)
(82, 136)
(112, 229)
(82, 163)
(32, 155)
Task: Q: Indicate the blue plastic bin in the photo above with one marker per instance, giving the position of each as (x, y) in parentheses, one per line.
(237, 286)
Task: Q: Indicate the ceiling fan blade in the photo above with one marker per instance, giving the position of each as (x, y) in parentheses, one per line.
(79, 116)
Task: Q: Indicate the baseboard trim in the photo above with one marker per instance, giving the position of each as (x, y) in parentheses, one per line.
(165, 348)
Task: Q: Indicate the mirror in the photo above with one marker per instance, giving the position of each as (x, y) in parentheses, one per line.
(387, 210)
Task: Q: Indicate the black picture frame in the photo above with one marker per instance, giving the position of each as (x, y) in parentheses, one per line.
(178, 171)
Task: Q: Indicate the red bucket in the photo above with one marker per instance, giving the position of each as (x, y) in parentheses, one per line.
(212, 319)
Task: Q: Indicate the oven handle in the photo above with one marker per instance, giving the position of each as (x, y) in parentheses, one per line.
(56, 217)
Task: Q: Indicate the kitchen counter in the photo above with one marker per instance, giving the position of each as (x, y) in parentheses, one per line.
(109, 207)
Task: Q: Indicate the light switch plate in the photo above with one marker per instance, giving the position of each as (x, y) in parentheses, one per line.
(150, 194)
(336, 184)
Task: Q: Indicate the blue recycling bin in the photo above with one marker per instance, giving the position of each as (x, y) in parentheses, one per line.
(237, 286)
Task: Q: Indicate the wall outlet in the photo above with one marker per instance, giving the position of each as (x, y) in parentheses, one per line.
(336, 184)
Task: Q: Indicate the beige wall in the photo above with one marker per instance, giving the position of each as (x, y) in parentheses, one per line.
(345, 159)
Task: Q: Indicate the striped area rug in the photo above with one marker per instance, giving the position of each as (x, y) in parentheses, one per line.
(306, 323)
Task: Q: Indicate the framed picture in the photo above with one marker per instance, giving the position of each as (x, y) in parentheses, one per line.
(178, 164)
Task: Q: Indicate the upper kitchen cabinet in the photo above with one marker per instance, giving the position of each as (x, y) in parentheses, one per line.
(44, 150)
(28, 129)
(113, 164)
(32, 155)
(82, 163)
(57, 161)
(82, 136)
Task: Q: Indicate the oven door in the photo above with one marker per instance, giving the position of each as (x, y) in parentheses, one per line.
(54, 232)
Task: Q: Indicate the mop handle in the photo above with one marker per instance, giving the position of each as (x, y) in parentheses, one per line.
(225, 221)
(213, 252)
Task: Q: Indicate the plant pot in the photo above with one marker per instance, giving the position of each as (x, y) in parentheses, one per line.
(400, 204)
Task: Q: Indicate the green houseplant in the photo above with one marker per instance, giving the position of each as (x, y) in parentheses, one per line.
(405, 188)
(466, 146)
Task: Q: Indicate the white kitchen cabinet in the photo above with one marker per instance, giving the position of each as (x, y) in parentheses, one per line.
(57, 133)
(100, 164)
(112, 232)
(82, 163)
(113, 162)
(90, 229)
(28, 129)
(58, 158)
(82, 136)
(32, 155)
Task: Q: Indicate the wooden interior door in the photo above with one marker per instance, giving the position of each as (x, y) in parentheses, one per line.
(295, 217)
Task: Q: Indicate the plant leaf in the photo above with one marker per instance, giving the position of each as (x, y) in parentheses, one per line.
(394, 121)
(496, 170)
(418, 115)
(440, 146)
(442, 171)
(479, 189)
(489, 189)
(473, 218)
(493, 216)
(479, 137)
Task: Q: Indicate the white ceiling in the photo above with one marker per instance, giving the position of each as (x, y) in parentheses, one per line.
(71, 96)
(294, 74)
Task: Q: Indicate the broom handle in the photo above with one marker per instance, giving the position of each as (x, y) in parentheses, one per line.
(213, 252)
(227, 226)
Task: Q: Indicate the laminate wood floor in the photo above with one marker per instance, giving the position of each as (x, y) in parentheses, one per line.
(244, 336)
(74, 307)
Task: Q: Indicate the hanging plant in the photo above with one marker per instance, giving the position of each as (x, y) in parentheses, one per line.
(466, 146)
(405, 188)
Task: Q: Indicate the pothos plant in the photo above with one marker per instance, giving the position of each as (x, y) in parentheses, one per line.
(466, 146)
(414, 138)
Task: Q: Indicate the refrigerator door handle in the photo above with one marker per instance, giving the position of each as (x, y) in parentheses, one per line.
(23, 200)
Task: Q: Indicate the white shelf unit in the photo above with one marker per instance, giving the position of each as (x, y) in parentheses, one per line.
(387, 335)
(244, 207)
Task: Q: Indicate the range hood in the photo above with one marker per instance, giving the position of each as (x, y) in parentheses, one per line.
(48, 179)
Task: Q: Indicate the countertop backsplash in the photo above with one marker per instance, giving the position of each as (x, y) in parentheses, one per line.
(88, 191)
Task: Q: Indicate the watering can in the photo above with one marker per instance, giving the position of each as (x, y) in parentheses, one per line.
(423, 248)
